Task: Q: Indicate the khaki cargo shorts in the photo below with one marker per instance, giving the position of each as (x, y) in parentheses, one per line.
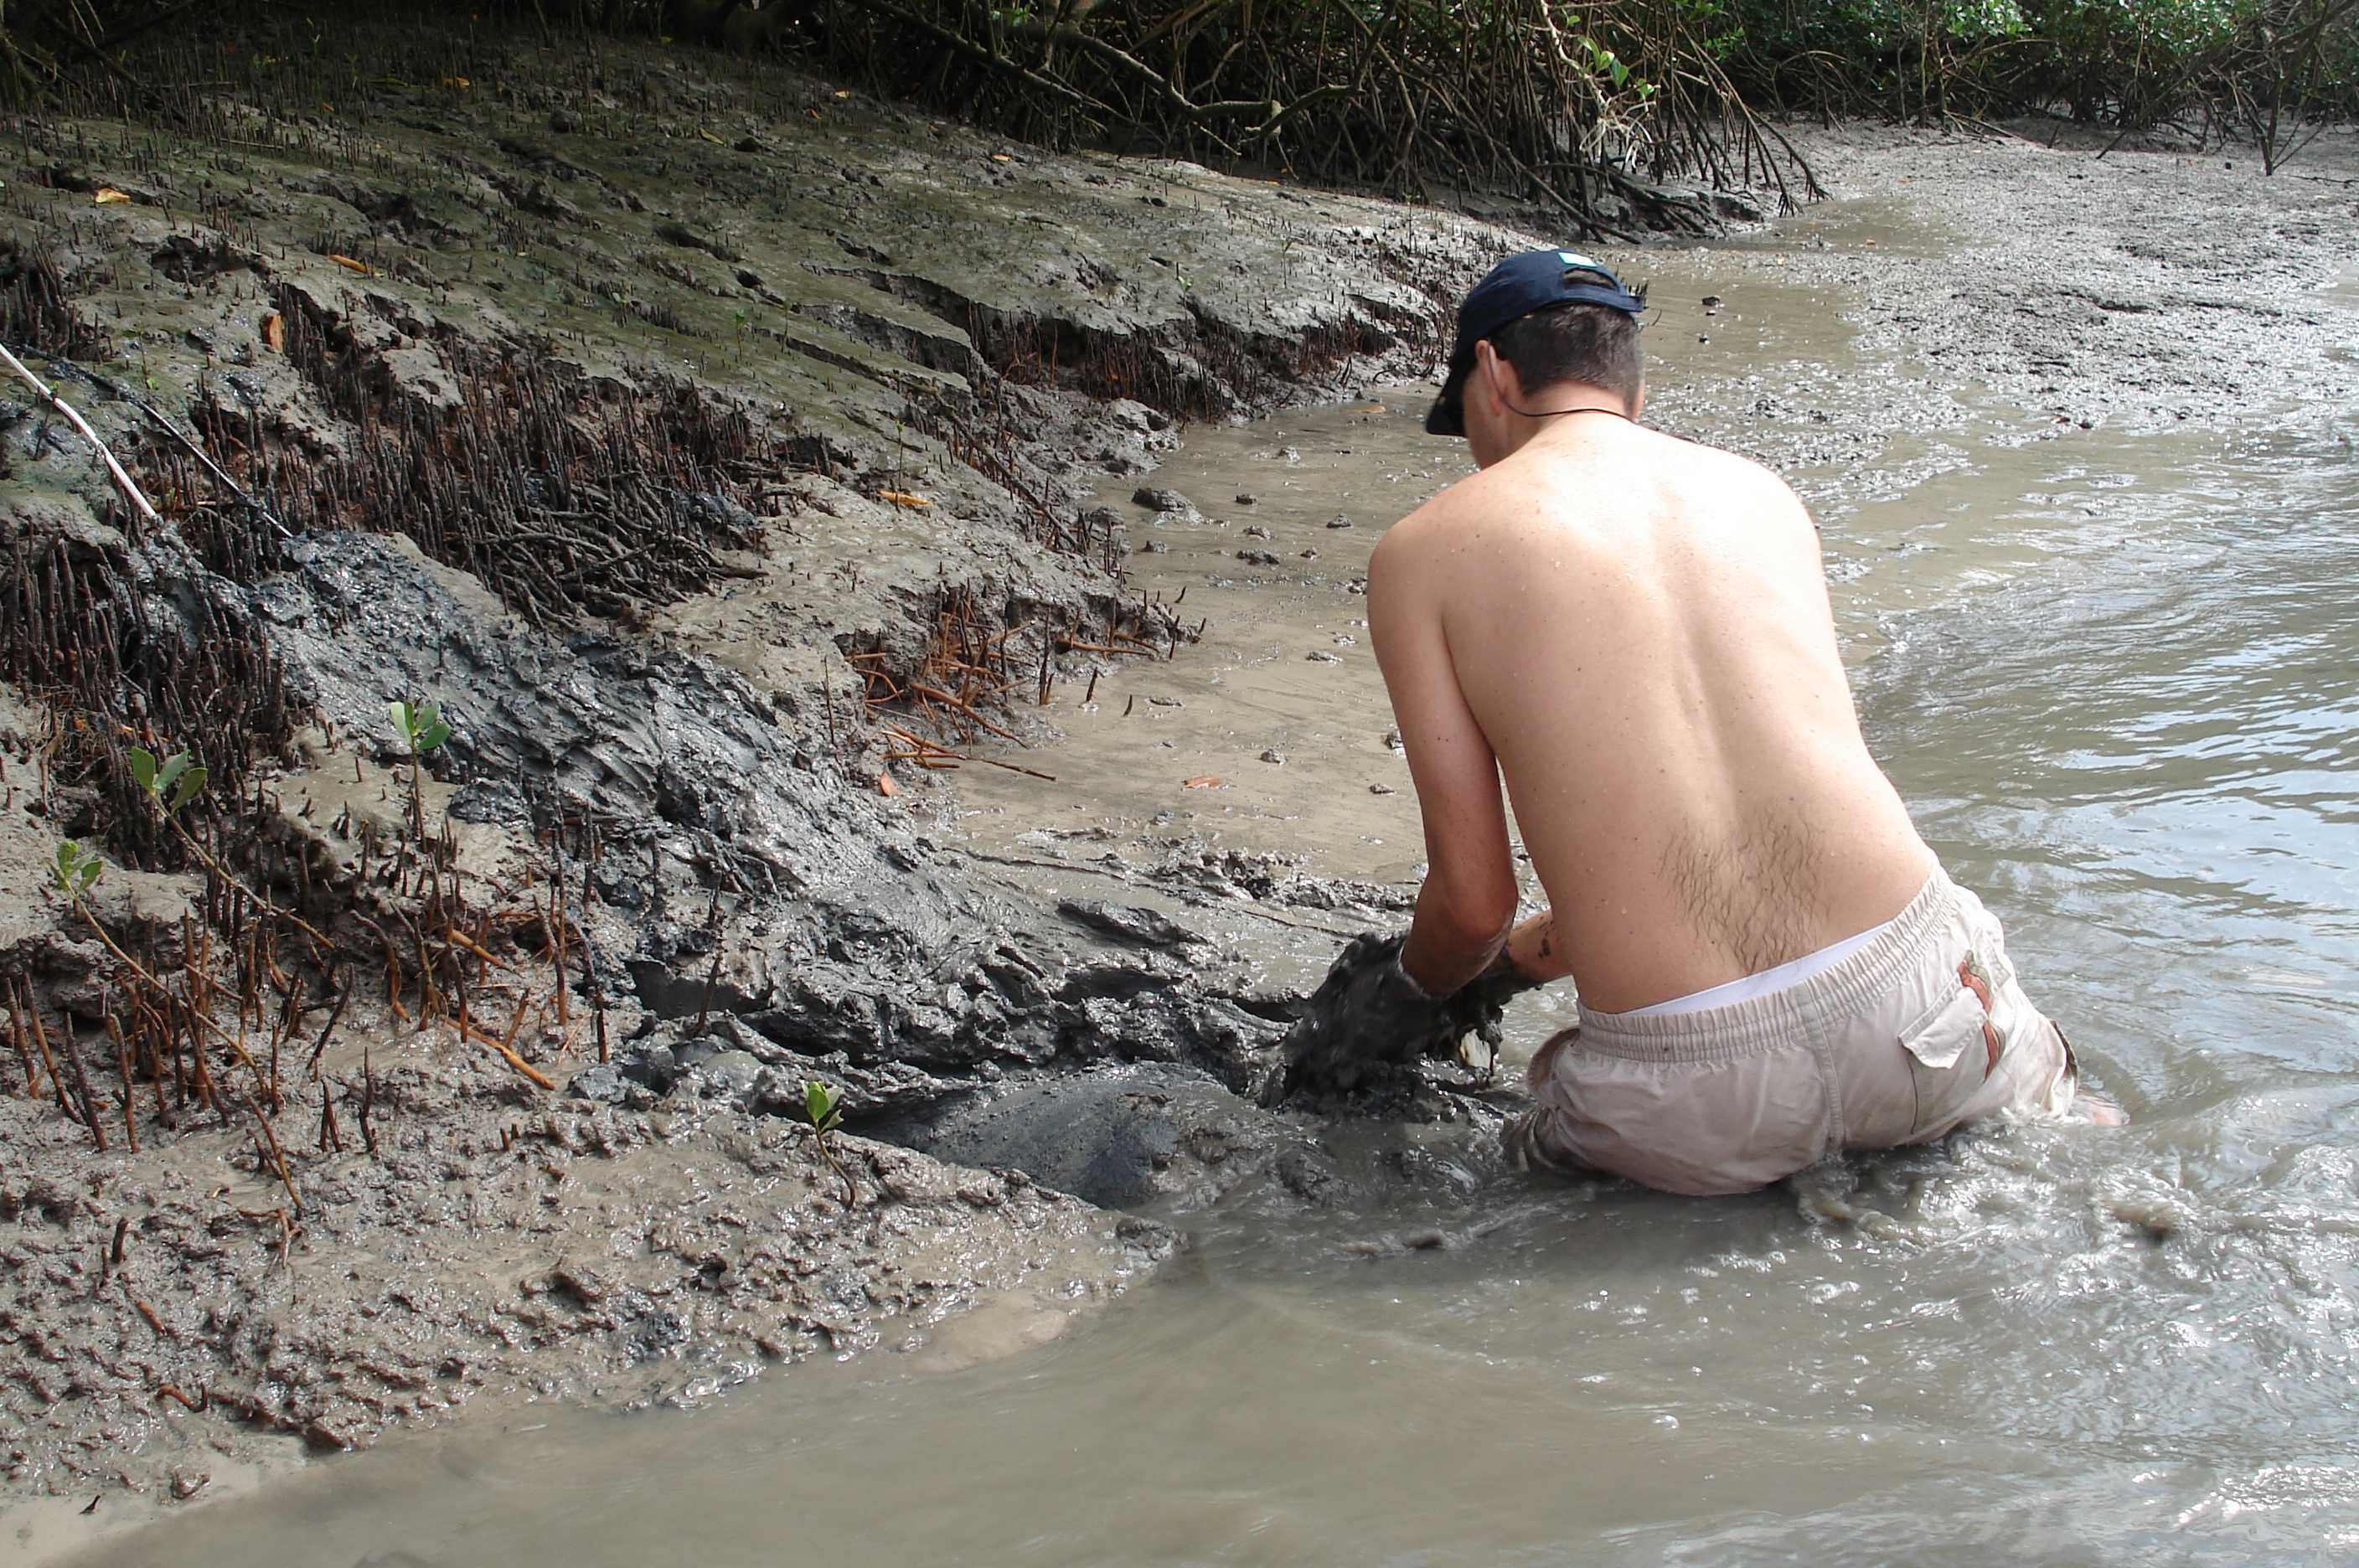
(1921, 1029)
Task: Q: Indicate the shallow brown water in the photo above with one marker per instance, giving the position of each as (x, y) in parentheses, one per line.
(2118, 680)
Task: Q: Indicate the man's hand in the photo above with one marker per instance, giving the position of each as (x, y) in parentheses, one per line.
(1501, 981)
(1369, 1018)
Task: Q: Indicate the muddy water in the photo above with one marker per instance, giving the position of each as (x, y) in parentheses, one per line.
(2118, 680)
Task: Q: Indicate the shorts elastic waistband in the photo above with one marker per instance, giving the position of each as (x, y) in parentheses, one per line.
(1782, 1017)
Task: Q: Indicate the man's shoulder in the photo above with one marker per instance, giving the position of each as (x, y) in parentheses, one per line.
(1444, 514)
(1696, 461)
(1411, 567)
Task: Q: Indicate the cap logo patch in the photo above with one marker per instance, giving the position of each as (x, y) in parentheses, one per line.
(1569, 259)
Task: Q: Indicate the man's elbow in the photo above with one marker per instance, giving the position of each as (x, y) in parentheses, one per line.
(1472, 916)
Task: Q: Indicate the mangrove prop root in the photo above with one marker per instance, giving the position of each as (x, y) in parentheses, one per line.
(1509, 96)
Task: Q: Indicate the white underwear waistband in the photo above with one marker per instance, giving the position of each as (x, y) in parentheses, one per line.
(1792, 972)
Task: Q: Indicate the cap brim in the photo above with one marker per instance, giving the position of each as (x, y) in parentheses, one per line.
(1448, 415)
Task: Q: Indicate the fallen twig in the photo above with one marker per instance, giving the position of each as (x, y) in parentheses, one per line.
(931, 753)
(470, 1031)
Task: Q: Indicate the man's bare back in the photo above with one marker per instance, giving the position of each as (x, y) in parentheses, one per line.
(1638, 629)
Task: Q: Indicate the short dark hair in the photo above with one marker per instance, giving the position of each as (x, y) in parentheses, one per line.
(1594, 344)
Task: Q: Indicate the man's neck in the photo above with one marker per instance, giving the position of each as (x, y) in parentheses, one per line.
(1552, 423)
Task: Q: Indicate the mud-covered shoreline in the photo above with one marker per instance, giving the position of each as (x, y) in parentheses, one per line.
(758, 385)
(934, 342)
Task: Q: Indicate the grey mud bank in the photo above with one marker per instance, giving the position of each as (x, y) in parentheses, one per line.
(677, 430)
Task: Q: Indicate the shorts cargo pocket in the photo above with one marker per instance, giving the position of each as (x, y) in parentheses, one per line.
(1947, 1061)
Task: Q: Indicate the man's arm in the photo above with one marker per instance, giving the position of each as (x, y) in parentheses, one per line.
(1537, 952)
(1468, 901)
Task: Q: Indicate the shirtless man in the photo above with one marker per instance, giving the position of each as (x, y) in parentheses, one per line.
(1634, 631)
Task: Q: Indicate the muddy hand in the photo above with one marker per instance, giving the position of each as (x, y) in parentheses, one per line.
(1483, 1002)
(1368, 1019)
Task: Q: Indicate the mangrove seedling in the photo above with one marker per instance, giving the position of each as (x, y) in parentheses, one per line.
(422, 728)
(170, 785)
(823, 1109)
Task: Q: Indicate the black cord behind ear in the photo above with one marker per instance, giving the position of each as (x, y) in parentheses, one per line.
(1552, 413)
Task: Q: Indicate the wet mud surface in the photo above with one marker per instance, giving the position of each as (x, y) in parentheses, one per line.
(672, 425)
(915, 354)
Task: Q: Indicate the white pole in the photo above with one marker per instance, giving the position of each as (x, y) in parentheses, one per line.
(49, 395)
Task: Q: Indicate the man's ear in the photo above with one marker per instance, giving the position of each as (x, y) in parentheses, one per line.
(1498, 374)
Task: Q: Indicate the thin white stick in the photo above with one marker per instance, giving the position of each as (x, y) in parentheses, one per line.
(49, 393)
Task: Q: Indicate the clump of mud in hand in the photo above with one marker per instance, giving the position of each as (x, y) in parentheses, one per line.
(1365, 1029)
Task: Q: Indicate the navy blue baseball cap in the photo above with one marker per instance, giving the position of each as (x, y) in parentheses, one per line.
(1518, 287)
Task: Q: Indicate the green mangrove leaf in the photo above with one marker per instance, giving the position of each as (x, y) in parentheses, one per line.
(820, 1105)
(76, 868)
(143, 768)
(193, 780)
